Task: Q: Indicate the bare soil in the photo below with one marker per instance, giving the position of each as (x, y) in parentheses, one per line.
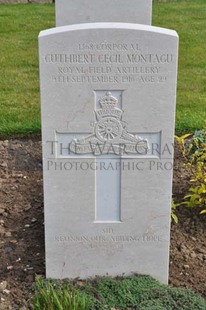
(22, 226)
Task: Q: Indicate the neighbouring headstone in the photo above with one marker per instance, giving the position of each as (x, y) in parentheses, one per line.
(80, 11)
(108, 104)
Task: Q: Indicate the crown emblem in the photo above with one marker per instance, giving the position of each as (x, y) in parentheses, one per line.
(110, 131)
(108, 101)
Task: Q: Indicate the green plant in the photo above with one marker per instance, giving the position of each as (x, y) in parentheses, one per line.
(51, 296)
(197, 192)
(197, 164)
(98, 294)
(198, 144)
(168, 298)
(135, 292)
(181, 141)
(173, 211)
(122, 293)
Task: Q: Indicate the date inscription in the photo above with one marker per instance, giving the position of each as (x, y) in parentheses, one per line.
(109, 63)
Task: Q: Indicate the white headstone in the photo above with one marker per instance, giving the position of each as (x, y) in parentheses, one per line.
(108, 104)
(80, 11)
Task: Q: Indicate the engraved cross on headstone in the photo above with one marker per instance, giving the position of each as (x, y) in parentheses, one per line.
(109, 142)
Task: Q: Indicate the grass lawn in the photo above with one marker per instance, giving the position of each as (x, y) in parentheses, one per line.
(188, 18)
(19, 73)
(19, 82)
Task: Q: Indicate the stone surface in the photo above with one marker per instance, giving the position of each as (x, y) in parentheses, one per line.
(108, 103)
(70, 12)
(3, 285)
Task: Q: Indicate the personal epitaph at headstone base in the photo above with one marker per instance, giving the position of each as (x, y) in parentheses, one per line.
(70, 12)
(107, 130)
